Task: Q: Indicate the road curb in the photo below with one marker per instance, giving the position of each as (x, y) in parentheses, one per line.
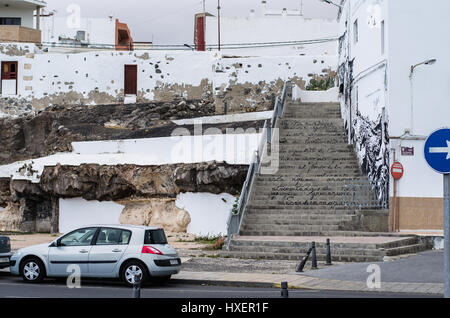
(224, 283)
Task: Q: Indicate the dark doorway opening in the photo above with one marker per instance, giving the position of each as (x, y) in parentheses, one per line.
(130, 79)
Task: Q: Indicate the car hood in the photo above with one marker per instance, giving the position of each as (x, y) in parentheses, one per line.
(41, 248)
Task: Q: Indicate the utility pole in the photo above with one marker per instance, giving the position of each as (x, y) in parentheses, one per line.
(218, 21)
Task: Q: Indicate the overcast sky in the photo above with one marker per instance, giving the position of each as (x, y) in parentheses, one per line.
(172, 21)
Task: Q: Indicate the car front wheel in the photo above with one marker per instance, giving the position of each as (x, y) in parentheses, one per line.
(32, 270)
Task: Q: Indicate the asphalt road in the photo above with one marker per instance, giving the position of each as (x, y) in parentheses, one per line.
(426, 267)
(14, 287)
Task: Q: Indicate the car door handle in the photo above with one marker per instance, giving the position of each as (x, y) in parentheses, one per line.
(84, 251)
(117, 250)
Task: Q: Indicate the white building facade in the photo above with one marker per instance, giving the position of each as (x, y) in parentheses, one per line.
(262, 32)
(392, 108)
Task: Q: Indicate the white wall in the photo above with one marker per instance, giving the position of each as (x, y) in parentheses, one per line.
(416, 34)
(273, 29)
(14, 12)
(103, 72)
(370, 66)
(76, 213)
(413, 33)
(209, 212)
(98, 30)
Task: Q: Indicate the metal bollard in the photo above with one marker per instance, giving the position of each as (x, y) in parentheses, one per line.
(284, 290)
(314, 256)
(328, 253)
(303, 262)
(137, 287)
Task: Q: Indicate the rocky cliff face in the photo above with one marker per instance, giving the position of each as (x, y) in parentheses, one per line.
(34, 206)
(53, 129)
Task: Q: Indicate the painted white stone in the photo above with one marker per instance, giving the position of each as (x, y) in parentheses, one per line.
(329, 96)
(209, 212)
(8, 87)
(75, 213)
(221, 119)
(235, 149)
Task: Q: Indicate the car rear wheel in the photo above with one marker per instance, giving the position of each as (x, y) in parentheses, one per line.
(32, 270)
(132, 269)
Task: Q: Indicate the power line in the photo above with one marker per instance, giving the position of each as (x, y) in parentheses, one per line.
(211, 46)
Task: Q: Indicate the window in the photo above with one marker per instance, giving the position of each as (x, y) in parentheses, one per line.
(81, 237)
(108, 236)
(382, 38)
(355, 32)
(10, 21)
(81, 36)
(155, 237)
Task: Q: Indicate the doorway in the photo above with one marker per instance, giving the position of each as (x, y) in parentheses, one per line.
(9, 76)
(130, 80)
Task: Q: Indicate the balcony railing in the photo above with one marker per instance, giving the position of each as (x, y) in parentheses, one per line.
(16, 33)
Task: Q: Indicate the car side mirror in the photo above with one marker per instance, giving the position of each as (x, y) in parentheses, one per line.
(55, 243)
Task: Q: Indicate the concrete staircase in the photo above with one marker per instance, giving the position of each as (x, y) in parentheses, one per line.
(305, 197)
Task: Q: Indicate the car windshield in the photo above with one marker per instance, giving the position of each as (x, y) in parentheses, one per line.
(155, 237)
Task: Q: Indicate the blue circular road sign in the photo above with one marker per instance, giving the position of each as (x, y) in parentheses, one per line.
(437, 150)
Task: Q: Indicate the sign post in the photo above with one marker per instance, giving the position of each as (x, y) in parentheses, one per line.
(447, 235)
(397, 171)
(437, 154)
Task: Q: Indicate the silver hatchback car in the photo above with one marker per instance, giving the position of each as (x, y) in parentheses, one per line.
(101, 251)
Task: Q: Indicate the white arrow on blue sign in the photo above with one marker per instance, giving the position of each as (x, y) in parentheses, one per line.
(437, 150)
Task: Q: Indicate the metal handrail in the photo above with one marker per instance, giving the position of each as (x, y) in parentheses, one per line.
(363, 194)
(235, 220)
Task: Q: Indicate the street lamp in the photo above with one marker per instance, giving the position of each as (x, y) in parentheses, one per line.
(411, 82)
(427, 62)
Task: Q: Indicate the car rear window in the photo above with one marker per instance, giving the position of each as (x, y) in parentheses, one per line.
(155, 237)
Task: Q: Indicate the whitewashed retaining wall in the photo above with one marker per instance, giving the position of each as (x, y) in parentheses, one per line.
(208, 212)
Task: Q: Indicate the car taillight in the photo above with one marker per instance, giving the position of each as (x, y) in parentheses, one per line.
(151, 250)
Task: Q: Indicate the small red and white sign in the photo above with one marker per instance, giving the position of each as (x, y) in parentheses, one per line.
(397, 170)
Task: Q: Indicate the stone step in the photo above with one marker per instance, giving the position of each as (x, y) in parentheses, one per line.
(289, 227)
(294, 166)
(409, 249)
(298, 197)
(275, 232)
(304, 223)
(269, 178)
(289, 209)
(280, 194)
(302, 251)
(289, 155)
(305, 140)
(295, 257)
(324, 148)
(311, 113)
(399, 242)
(324, 173)
(295, 219)
(269, 187)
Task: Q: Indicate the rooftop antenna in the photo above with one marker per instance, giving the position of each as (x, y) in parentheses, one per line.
(301, 8)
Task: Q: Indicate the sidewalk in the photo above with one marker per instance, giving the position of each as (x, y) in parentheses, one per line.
(415, 273)
(300, 281)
